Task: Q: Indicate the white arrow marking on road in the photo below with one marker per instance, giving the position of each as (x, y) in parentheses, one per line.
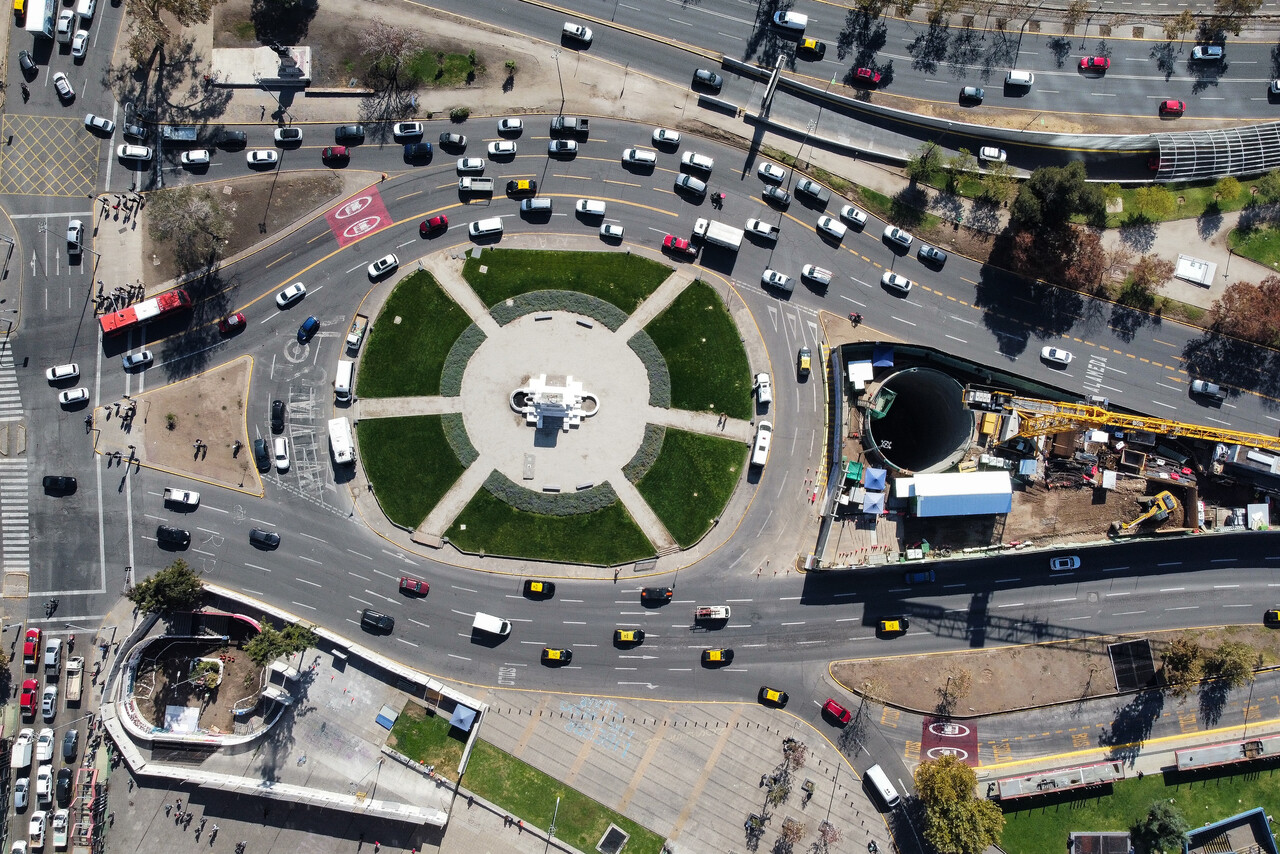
(648, 685)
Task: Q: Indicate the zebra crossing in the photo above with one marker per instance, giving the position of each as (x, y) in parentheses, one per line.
(15, 517)
(10, 400)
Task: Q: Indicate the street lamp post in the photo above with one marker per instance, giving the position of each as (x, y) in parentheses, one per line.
(555, 54)
(551, 831)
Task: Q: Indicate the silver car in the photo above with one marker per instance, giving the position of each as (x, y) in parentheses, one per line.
(290, 295)
(63, 85)
(893, 234)
(140, 359)
(901, 284)
(470, 164)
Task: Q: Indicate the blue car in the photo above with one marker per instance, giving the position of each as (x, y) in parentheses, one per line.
(307, 329)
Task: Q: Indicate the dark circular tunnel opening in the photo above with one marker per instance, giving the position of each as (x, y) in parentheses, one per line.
(927, 427)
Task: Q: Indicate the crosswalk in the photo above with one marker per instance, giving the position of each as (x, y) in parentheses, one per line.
(15, 518)
(10, 399)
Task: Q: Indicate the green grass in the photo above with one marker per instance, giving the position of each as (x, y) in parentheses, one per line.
(526, 792)
(1198, 199)
(617, 277)
(1260, 244)
(246, 30)
(405, 359)
(691, 481)
(708, 366)
(1041, 829)
(488, 524)
(445, 70)
(428, 739)
(409, 463)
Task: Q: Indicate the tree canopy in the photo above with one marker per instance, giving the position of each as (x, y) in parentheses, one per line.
(1162, 829)
(1055, 194)
(270, 644)
(148, 31)
(955, 820)
(174, 588)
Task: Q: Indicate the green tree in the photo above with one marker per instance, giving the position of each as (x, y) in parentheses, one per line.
(270, 644)
(1183, 664)
(1154, 203)
(1232, 662)
(955, 821)
(943, 780)
(174, 588)
(1177, 27)
(149, 32)
(1227, 188)
(1269, 186)
(1162, 829)
(924, 164)
(1055, 194)
(195, 221)
(997, 184)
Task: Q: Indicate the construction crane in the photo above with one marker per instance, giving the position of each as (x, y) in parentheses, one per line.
(1037, 417)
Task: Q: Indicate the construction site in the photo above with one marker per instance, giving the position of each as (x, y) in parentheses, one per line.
(930, 456)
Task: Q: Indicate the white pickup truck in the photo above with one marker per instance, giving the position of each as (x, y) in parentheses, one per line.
(181, 496)
(75, 678)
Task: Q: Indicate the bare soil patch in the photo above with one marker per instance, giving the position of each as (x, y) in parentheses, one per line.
(265, 206)
(209, 407)
(1011, 678)
(165, 680)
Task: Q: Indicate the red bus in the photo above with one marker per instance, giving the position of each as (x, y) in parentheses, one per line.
(147, 310)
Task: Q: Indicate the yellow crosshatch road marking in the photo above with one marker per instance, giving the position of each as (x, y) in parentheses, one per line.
(50, 156)
(911, 751)
(1080, 740)
(1001, 751)
(890, 717)
(1188, 721)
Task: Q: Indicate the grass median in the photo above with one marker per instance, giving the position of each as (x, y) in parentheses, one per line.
(409, 463)
(691, 481)
(615, 277)
(708, 367)
(405, 357)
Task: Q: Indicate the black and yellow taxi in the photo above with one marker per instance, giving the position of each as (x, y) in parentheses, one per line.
(556, 657)
(890, 626)
(804, 362)
(717, 657)
(773, 697)
(812, 48)
(535, 589)
(628, 637)
(522, 187)
(1271, 618)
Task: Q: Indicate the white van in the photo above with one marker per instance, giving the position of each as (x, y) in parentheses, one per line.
(879, 781)
(85, 8)
(342, 382)
(485, 227)
(1019, 78)
(816, 274)
(760, 450)
(20, 756)
(491, 625)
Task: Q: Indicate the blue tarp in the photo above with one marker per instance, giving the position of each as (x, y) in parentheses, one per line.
(882, 355)
(463, 717)
(875, 478)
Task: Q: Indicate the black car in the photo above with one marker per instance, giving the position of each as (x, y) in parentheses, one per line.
(277, 416)
(26, 63)
(70, 743)
(264, 539)
(261, 456)
(536, 589)
(64, 786)
(708, 79)
(60, 484)
(232, 139)
(453, 140)
(349, 134)
(777, 197)
(417, 151)
(175, 537)
(375, 621)
(656, 594)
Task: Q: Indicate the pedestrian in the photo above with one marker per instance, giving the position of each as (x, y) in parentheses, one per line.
(168, 808)
(521, 825)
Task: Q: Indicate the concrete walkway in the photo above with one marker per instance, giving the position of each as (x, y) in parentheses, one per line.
(430, 531)
(657, 302)
(643, 514)
(703, 422)
(448, 272)
(402, 407)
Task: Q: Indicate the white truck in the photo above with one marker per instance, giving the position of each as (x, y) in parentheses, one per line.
(356, 334)
(184, 497)
(491, 625)
(710, 613)
(470, 184)
(718, 233)
(40, 15)
(20, 757)
(75, 678)
(344, 450)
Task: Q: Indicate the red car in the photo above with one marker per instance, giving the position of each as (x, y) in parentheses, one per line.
(31, 648)
(837, 711)
(414, 586)
(30, 696)
(335, 152)
(671, 243)
(231, 323)
(436, 223)
(866, 77)
(1094, 63)
(1172, 107)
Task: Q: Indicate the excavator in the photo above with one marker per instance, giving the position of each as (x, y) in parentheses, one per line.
(1156, 509)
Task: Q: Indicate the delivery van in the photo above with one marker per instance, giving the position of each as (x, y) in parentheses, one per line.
(878, 782)
(486, 227)
(491, 625)
(342, 382)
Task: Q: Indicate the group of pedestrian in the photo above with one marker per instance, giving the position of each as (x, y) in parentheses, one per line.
(120, 297)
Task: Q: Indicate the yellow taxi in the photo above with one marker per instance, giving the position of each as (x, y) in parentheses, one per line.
(804, 362)
(813, 48)
(556, 657)
(536, 589)
(773, 697)
(633, 637)
(523, 187)
(19, 8)
(717, 657)
(1271, 618)
(894, 625)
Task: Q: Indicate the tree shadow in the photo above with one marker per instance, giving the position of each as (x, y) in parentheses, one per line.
(929, 48)
(170, 87)
(1138, 233)
(984, 216)
(1003, 51)
(1212, 700)
(862, 36)
(1165, 55)
(1205, 76)
(277, 23)
(1132, 725)
(1209, 222)
(764, 43)
(907, 206)
(1133, 310)
(1060, 47)
(1236, 363)
(964, 50)
(947, 205)
(1275, 61)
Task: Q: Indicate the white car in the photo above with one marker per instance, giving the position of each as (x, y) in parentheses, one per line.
(290, 295)
(262, 157)
(610, 231)
(66, 25)
(44, 784)
(1056, 356)
(764, 388)
(891, 279)
(406, 130)
(195, 157)
(44, 745)
(383, 265)
(701, 162)
(760, 228)
(63, 85)
(73, 395)
(282, 454)
(1058, 564)
(590, 207)
(140, 359)
(509, 125)
(35, 829)
(470, 164)
(75, 237)
(775, 279)
(19, 845)
(832, 227)
(60, 823)
(49, 699)
(557, 147)
(80, 44)
(991, 154)
(288, 135)
(855, 216)
(21, 793)
(134, 152)
(577, 31)
(893, 234)
(502, 148)
(58, 373)
(98, 123)
(772, 172)
(662, 136)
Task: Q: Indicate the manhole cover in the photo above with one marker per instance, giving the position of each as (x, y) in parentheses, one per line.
(613, 840)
